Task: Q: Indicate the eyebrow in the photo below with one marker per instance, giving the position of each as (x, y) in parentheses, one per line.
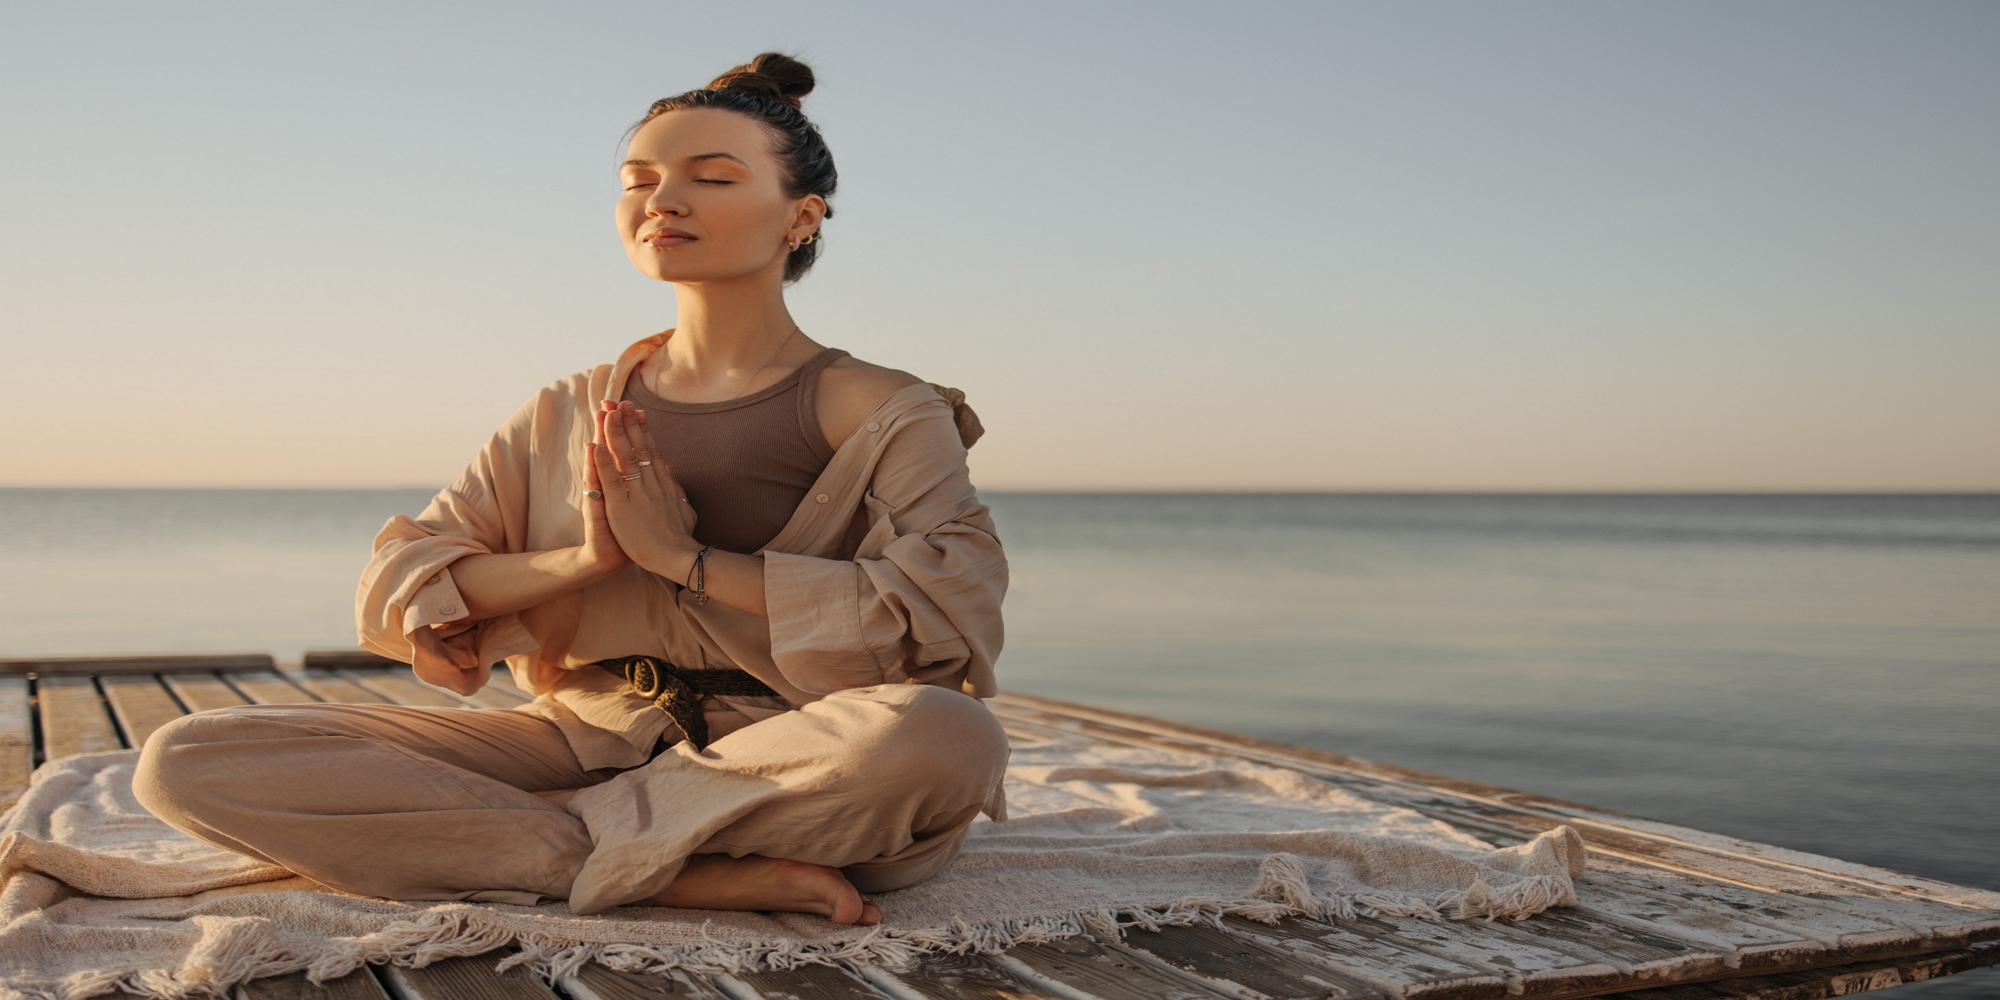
(692, 159)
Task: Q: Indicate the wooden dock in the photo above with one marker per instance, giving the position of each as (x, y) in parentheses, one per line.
(1665, 913)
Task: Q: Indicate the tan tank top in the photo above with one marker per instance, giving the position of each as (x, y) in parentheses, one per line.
(746, 463)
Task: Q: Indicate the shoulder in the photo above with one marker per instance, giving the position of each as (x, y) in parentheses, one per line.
(850, 389)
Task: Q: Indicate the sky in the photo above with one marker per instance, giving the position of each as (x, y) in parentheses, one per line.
(1242, 246)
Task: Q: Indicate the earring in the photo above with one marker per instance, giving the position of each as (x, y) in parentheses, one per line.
(810, 237)
(795, 241)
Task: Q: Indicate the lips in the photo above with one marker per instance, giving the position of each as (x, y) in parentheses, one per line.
(667, 239)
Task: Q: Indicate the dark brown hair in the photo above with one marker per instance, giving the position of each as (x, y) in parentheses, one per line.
(769, 90)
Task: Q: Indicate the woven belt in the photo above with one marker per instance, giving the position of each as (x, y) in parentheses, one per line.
(678, 691)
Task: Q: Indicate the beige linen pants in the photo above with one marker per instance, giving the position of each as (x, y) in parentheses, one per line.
(425, 803)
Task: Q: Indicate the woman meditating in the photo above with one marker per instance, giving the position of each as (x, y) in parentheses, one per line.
(746, 577)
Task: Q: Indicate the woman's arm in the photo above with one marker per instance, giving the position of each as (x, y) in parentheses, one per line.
(495, 584)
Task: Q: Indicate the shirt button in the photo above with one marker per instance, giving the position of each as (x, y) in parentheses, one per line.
(873, 426)
(449, 609)
(822, 498)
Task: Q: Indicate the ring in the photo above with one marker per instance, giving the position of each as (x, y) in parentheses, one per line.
(684, 499)
(594, 494)
(645, 461)
(631, 477)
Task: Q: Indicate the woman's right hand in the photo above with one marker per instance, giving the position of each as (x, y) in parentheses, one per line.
(600, 555)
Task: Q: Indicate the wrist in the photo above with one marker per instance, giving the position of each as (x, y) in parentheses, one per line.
(584, 566)
(676, 563)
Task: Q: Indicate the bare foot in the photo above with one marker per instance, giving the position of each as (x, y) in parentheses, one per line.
(754, 882)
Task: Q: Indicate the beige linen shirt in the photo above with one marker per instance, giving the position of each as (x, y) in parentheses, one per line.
(889, 571)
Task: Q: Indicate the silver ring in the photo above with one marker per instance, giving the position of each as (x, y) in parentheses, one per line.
(645, 461)
(594, 494)
(631, 477)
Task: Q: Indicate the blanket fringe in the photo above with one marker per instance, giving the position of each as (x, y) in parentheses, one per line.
(234, 950)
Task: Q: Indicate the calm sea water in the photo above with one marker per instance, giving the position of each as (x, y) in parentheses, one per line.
(1820, 672)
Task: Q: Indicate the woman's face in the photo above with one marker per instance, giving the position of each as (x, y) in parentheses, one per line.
(705, 200)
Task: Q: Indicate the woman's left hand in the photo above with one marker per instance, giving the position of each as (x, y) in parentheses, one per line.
(649, 512)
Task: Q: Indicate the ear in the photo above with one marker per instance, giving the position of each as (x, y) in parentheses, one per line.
(811, 212)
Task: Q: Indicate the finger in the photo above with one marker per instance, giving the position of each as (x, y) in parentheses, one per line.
(602, 471)
(645, 459)
(621, 450)
(649, 451)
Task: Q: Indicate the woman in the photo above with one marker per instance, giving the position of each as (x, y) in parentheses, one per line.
(746, 576)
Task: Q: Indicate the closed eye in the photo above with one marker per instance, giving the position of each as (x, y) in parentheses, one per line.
(644, 184)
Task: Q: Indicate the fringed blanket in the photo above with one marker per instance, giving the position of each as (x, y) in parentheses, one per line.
(97, 895)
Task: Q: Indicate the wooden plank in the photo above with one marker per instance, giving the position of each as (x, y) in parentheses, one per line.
(1536, 968)
(469, 978)
(1678, 848)
(357, 985)
(17, 740)
(269, 687)
(329, 686)
(1088, 967)
(961, 977)
(403, 689)
(1855, 921)
(202, 692)
(74, 719)
(1393, 968)
(1834, 981)
(354, 659)
(595, 982)
(807, 982)
(61, 665)
(1230, 964)
(140, 704)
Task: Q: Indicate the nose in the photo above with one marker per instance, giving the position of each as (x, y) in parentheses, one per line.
(663, 203)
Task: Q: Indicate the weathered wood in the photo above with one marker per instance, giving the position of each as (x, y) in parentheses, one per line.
(357, 985)
(74, 718)
(60, 665)
(595, 982)
(1226, 960)
(1832, 981)
(17, 740)
(202, 692)
(807, 982)
(329, 686)
(1393, 968)
(268, 687)
(961, 977)
(1534, 967)
(339, 659)
(1107, 973)
(1856, 920)
(470, 978)
(140, 704)
(403, 689)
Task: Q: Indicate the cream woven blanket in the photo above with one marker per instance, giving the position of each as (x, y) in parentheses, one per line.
(97, 895)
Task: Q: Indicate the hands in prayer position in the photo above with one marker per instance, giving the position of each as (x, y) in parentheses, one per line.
(645, 511)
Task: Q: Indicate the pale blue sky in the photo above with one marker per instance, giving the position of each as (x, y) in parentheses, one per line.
(1225, 246)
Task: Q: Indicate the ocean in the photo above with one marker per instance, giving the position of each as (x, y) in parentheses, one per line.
(1820, 672)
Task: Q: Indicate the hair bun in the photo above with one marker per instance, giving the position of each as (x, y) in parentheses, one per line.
(778, 77)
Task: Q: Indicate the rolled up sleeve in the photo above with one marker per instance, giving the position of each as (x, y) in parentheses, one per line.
(920, 600)
(408, 606)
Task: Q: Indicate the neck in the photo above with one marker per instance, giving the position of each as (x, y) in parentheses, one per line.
(725, 326)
